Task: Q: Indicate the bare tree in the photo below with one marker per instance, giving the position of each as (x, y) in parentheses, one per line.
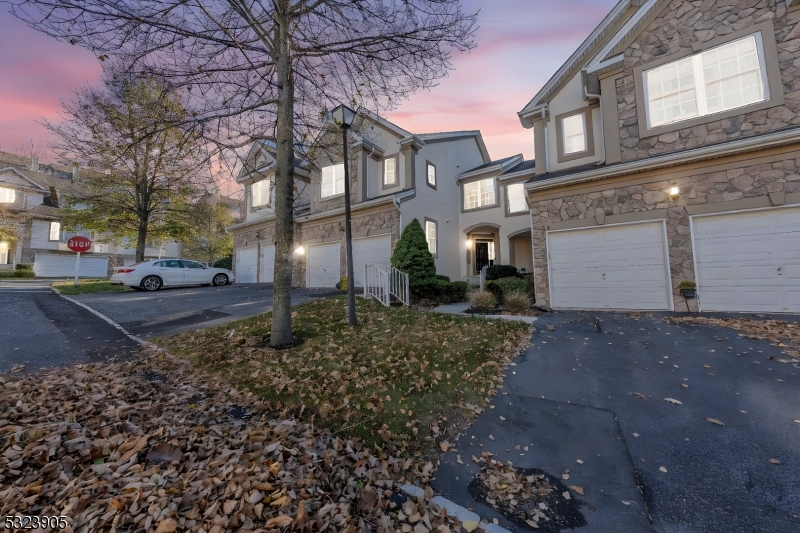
(269, 69)
(145, 170)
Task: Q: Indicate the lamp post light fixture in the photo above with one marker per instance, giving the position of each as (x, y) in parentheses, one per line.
(344, 117)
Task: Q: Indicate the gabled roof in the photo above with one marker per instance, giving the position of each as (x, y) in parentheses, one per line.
(22, 174)
(492, 166)
(448, 136)
(623, 21)
(45, 211)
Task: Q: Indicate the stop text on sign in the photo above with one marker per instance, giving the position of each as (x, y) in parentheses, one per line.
(79, 244)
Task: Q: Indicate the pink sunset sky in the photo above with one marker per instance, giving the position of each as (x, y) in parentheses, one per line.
(521, 43)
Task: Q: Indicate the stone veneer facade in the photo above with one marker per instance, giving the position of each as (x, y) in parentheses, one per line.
(750, 177)
(376, 220)
(676, 28)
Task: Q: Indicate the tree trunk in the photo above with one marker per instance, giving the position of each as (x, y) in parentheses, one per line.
(281, 333)
(141, 241)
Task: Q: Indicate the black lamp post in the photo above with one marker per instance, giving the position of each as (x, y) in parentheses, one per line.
(344, 116)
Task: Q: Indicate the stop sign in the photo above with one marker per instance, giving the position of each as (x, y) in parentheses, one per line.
(79, 244)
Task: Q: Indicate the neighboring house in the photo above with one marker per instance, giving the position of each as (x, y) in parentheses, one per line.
(35, 191)
(667, 149)
(395, 177)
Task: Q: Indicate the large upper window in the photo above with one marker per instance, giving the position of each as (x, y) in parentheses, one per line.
(261, 193)
(333, 180)
(7, 196)
(574, 131)
(516, 198)
(479, 194)
(430, 235)
(390, 172)
(722, 78)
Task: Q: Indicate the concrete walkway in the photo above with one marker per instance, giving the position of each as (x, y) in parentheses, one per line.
(458, 309)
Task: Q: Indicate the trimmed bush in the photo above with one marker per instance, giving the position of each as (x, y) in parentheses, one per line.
(225, 262)
(687, 285)
(17, 274)
(455, 292)
(483, 299)
(24, 266)
(342, 285)
(411, 256)
(500, 287)
(500, 271)
(443, 278)
(517, 302)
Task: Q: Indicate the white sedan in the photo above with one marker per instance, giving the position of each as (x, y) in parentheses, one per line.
(157, 273)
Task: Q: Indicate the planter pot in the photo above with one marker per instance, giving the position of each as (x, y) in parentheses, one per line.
(689, 294)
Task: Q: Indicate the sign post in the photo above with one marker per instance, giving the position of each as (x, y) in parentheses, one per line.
(78, 244)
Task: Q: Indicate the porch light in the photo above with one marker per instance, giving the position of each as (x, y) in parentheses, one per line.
(299, 250)
(469, 242)
(674, 193)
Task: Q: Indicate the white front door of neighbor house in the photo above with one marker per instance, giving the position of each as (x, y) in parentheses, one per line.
(267, 263)
(371, 251)
(611, 267)
(246, 264)
(748, 261)
(63, 265)
(323, 264)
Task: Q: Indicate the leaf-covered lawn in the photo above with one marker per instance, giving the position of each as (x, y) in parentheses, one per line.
(85, 286)
(401, 376)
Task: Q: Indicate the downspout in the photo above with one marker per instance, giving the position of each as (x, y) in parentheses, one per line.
(602, 122)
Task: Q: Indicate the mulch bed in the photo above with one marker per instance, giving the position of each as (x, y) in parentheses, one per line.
(500, 310)
(156, 445)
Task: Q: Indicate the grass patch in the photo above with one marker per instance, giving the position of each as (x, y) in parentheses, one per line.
(401, 377)
(86, 286)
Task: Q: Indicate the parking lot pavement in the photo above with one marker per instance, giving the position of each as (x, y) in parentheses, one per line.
(640, 402)
(170, 311)
(41, 330)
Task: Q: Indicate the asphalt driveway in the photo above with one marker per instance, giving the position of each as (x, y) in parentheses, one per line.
(170, 311)
(592, 387)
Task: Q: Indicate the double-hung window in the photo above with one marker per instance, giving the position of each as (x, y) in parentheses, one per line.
(390, 172)
(430, 236)
(479, 194)
(516, 198)
(431, 174)
(261, 193)
(55, 231)
(574, 131)
(722, 78)
(332, 180)
(7, 196)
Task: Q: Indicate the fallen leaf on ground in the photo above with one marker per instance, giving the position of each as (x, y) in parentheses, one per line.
(715, 421)
(662, 469)
(167, 525)
(774, 461)
(577, 489)
(673, 400)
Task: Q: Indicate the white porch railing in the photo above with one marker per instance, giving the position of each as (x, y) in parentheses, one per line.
(483, 276)
(383, 284)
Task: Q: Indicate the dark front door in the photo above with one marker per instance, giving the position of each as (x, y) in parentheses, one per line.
(481, 255)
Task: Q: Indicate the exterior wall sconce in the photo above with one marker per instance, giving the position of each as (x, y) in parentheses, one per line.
(674, 193)
(299, 250)
(469, 243)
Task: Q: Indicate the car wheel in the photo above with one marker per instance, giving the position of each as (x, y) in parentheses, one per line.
(151, 283)
(220, 279)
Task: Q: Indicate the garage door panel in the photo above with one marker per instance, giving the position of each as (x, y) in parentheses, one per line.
(267, 263)
(246, 264)
(63, 265)
(617, 267)
(370, 251)
(324, 265)
(749, 262)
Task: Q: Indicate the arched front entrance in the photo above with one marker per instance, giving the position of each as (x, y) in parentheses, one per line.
(483, 246)
(520, 250)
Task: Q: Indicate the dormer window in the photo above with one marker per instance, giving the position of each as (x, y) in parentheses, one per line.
(7, 196)
(574, 131)
(390, 172)
(332, 180)
(261, 193)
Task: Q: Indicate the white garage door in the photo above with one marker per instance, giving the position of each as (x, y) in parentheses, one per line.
(615, 267)
(56, 266)
(267, 263)
(324, 265)
(748, 262)
(246, 264)
(371, 251)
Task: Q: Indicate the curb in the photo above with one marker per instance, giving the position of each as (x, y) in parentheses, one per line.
(469, 520)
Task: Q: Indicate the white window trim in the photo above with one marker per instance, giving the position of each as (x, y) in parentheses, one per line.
(335, 180)
(434, 238)
(7, 195)
(261, 185)
(524, 200)
(428, 167)
(700, 84)
(564, 135)
(395, 180)
(3, 253)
